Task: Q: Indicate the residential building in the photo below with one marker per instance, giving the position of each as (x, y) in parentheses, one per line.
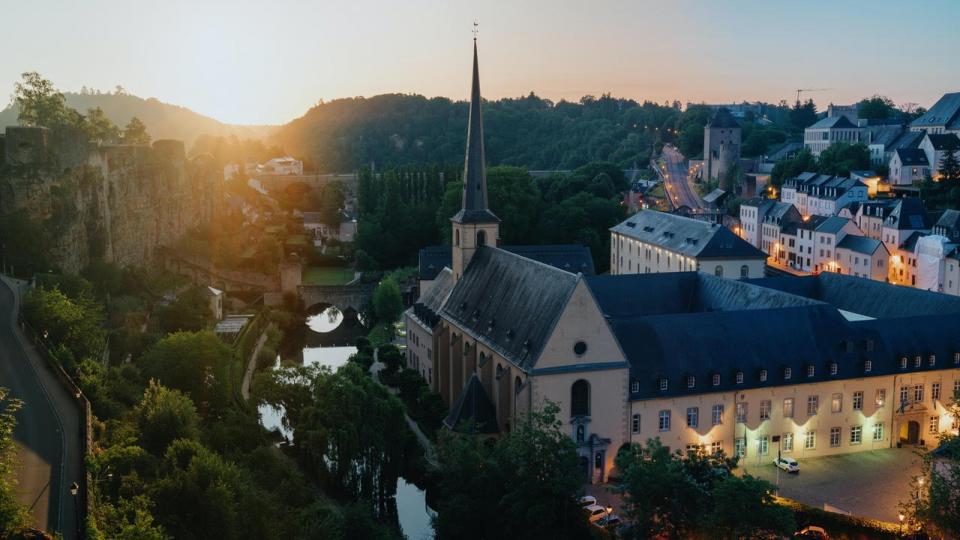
(908, 166)
(752, 212)
(780, 216)
(935, 146)
(850, 112)
(652, 242)
(942, 117)
(282, 165)
(829, 131)
(822, 194)
(908, 216)
(862, 256)
(215, 298)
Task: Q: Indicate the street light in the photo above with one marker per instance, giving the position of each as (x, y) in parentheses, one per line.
(900, 517)
(74, 492)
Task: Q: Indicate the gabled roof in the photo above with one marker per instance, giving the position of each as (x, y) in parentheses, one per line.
(812, 222)
(860, 244)
(944, 113)
(473, 411)
(908, 214)
(912, 157)
(834, 122)
(722, 118)
(832, 225)
(949, 220)
(908, 139)
(910, 244)
(569, 257)
(690, 237)
(509, 303)
(884, 134)
(943, 141)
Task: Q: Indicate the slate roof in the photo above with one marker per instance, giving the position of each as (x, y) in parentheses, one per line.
(784, 150)
(908, 214)
(859, 244)
(943, 141)
(569, 257)
(780, 210)
(908, 139)
(427, 307)
(912, 157)
(949, 223)
(832, 225)
(473, 411)
(690, 237)
(884, 134)
(833, 122)
(910, 244)
(945, 112)
(722, 118)
(509, 303)
(712, 197)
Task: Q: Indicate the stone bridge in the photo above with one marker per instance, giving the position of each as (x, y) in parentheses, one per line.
(341, 296)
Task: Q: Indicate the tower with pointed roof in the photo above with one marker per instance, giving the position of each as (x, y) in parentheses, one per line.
(474, 225)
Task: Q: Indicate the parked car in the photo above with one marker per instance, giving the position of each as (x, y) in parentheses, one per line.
(587, 500)
(788, 464)
(813, 533)
(611, 521)
(595, 512)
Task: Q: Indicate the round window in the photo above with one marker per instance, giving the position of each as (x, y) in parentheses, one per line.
(579, 348)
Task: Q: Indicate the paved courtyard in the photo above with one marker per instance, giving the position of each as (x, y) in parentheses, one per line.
(869, 484)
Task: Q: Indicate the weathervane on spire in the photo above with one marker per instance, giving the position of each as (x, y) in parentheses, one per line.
(476, 28)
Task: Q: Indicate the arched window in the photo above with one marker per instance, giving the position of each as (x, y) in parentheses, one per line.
(481, 238)
(581, 433)
(580, 398)
(456, 237)
(718, 271)
(744, 271)
(517, 385)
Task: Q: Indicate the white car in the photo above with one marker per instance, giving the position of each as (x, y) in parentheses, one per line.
(595, 512)
(587, 500)
(788, 464)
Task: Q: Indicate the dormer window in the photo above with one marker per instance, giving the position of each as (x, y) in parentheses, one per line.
(739, 377)
(932, 359)
(956, 358)
(811, 370)
(634, 387)
(691, 381)
(868, 366)
(663, 384)
(787, 373)
(869, 345)
(763, 375)
(916, 361)
(716, 379)
(833, 368)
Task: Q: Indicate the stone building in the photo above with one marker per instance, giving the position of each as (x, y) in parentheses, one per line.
(721, 147)
(829, 131)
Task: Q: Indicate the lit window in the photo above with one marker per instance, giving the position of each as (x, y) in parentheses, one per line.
(716, 447)
(765, 410)
(878, 431)
(904, 395)
(934, 424)
(834, 436)
(935, 391)
(664, 418)
(868, 366)
(663, 383)
(717, 414)
(857, 401)
(739, 377)
(813, 403)
(763, 375)
(918, 393)
(856, 434)
(716, 379)
(810, 440)
(836, 403)
(788, 408)
(693, 416)
(741, 412)
(786, 442)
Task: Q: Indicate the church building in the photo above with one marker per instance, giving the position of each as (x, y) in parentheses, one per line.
(822, 364)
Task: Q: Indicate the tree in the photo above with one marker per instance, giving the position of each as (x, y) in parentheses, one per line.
(100, 128)
(12, 514)
(745, 508)
(40, 103)
(803, 115)
(129, 519)
(841, 158)
(935, 493)
(72, 323)
(196, 363)
(949, 163)
(387, 301)
(189, 312)
(876, 108)
(522, 485)
(331, 201)
(135, 132)
(789, 168)
(163, 416)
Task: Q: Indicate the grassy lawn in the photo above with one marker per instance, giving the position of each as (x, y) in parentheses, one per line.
(327, 276)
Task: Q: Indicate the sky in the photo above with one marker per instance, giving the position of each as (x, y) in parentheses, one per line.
(267, 62)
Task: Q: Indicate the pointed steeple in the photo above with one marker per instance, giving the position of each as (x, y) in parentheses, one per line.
(474, 208)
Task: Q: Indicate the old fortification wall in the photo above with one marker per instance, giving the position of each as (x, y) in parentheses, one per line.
(116, 202)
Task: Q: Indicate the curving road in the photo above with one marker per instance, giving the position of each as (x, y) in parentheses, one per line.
(49, 461)
(675, 174)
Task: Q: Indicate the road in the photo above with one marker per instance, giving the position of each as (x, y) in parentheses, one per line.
(49, 461)
(676, 180)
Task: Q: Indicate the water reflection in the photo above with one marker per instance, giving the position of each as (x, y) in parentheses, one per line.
(326, 321)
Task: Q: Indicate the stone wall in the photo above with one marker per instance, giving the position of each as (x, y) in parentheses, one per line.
(116, 202)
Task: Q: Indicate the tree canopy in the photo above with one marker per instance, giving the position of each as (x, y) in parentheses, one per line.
(196, 363)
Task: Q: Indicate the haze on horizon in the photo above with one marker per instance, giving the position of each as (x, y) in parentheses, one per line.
(248, 62)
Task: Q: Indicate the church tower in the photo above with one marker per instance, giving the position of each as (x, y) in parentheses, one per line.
(474, 225)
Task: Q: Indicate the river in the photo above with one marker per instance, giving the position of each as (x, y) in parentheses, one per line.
(325, 330)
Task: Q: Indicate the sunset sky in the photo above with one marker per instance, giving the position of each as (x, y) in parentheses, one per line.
(266, 62)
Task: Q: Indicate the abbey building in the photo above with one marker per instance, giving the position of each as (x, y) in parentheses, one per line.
(822, 364)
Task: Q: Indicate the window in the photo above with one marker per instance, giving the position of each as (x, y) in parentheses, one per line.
(580, 398)
(740, 447)
(741, 412)
(581, 433)
(878, 431)
(664, 421)
(836, 403)
(904, 395)
(935, 391)
(716, 379)
(739, 377)
(693, 416)
(788, 407)
(813, 403)
(717, 414)
(856, 434)
(916, 361)
(765, 410)
(481, 238)
(932, 360)
(918, 393)
(868, 366)
(763, 375)
(787, 373)
(716, 447)
(810, 440)
(691, 381)
(635, 424)
(634, 387)
(786, 442)
(934, 424)
(834, 436)
(763, 445)
(744, 271)
(456, 235)
(663, 383)
(956, 358)
(903, 362)
(810, 370)
(718, 271)
(579, 348)
(833, 368)
(857, 401)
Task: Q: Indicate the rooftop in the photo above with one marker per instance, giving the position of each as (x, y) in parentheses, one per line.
(834, 122)
(569, 257)
(687, 236)
(944, 113)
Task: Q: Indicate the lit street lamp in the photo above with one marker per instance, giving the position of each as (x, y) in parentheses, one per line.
(75, 491)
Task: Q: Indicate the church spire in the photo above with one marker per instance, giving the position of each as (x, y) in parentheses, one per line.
(475, 208)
